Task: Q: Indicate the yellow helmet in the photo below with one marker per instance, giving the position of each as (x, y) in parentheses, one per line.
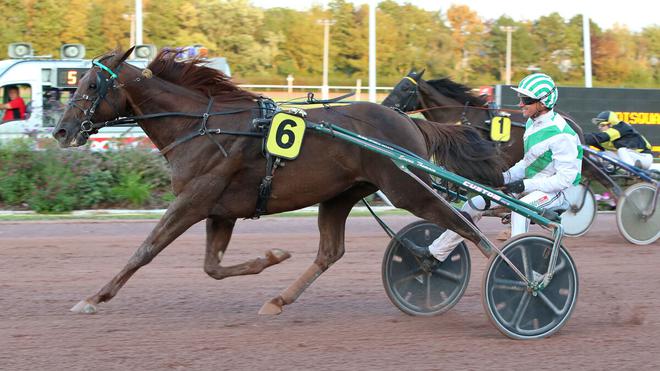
(606, 118)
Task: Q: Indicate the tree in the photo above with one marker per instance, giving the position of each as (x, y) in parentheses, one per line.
(467, 33)
(75, 20)
(13, 24)
(230, 25)
(47, 25)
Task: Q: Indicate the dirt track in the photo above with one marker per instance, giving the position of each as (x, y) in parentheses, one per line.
(171, 315)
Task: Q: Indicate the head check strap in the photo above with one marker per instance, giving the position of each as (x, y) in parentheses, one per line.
(103, 67)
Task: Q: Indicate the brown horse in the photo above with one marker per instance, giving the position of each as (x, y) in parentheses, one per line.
(203, 124)
(446, 101)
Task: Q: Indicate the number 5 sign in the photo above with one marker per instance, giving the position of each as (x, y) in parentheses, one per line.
(285, 135)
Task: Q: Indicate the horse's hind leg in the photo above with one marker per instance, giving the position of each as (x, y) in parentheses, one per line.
(177, 219)
(218, 234)
(332, 223)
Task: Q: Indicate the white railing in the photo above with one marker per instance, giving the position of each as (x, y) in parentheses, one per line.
(335, 89)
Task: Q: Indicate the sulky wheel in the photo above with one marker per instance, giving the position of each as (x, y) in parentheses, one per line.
(518, 311)
(633, 225)
(581, 213)
(424, 287)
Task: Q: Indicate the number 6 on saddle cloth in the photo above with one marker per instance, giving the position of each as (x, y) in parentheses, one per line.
(285, 135)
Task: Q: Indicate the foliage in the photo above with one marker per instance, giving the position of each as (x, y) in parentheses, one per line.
(53, 180)
(132, 188)
(266, 45)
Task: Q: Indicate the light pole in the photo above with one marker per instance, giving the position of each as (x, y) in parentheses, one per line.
(326, 50)
(508, 30)
(586, 37)
(138, 22)
(372, 51)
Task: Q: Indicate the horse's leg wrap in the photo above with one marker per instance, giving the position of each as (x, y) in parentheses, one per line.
(292, 292)
(288, 296)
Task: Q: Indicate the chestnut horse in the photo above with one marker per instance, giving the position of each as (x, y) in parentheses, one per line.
(204, 126)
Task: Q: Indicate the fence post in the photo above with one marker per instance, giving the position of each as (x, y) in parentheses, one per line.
(358, 88)
(289, 84)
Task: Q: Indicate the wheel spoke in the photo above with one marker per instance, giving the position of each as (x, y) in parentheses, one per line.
(448, 275)
(550, 304)
(633, 201)
(428, 291)
(561, 264)
(520, 310)
(412, 275)
(510, 285)
(527, 264)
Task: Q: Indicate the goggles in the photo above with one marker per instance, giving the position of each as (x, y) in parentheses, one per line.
(600, 122)
(527, 100)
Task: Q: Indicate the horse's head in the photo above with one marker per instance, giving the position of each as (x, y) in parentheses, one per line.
(97, 99)
(404, 94)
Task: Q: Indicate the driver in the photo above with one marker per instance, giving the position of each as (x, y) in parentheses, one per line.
(616, 135)
(551, 163)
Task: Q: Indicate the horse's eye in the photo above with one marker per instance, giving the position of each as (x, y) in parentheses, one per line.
(92, 86)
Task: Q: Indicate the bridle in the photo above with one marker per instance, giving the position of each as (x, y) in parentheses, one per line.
(89, 127)
(409, 102)
(103, 84)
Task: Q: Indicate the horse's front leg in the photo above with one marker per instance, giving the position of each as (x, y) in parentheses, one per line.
(180, 216)
(218, 234)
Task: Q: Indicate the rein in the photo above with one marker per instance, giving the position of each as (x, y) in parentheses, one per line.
(464, 107)
(88, 127)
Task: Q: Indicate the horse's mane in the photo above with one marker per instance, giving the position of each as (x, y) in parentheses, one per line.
(195, 75)
(456, 91)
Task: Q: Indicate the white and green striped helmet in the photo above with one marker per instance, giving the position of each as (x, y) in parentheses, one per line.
(539, 86)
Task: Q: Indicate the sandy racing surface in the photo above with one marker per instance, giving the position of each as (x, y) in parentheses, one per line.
(171, 315)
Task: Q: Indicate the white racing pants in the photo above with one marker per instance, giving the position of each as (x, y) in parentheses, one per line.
(447, 242)
(630, 157)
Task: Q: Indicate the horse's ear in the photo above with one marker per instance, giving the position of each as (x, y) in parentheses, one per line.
(419, 75)
(126, 55)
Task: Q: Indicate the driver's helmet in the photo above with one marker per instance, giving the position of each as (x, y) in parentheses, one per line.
(540, 87)
(605, 118)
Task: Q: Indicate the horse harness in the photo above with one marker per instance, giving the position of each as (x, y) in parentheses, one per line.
(261, 124)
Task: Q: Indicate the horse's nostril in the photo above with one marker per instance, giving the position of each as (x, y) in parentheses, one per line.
(60, 134)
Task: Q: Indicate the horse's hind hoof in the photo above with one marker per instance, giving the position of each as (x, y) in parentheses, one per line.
(276, 256)
(270, 308)
(84, 307)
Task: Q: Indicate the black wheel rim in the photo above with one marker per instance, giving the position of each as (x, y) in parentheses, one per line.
(419, 287)
(517, 311)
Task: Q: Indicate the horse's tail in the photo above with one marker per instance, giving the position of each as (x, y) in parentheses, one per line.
(460, 149)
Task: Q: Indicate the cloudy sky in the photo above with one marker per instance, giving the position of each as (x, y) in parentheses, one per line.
(634, 14)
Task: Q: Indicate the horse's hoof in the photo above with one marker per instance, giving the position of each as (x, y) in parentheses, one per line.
(84, 307)
(276, 256)
(270, 308)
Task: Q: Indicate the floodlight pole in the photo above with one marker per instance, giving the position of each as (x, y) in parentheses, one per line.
(325, 90)
(138, 22)
(586, 35)
(372, 51)
(508, 30)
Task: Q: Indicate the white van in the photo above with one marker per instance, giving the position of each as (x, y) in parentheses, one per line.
(46, 85)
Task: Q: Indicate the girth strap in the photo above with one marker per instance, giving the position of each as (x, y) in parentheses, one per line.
(266, 186)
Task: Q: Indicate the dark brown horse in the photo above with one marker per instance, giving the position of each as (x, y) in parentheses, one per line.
(216, 176)
(446, 101)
